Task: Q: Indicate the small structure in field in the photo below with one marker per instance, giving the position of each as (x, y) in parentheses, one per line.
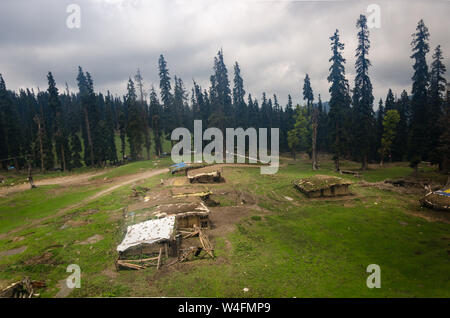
(147, 237)
(146, 242)
(183, 168)
(437, 200)
(187, 214)
(322, 186)
(205, 175)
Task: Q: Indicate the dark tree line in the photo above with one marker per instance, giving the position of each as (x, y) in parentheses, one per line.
(67, 130)
(412, 127)
(48, 129)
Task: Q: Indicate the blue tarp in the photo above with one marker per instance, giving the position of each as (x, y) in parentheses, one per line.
(443, 192)
(178, 166)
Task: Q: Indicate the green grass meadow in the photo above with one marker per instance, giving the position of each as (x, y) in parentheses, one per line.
(298, 248)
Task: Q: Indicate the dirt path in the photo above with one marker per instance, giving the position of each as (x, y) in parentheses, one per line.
(84, 179)
(117, 183)
(66, 180)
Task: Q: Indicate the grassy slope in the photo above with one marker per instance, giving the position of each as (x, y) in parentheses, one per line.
(302, 248)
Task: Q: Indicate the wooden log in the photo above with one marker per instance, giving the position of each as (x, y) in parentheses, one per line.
(129, 265)
(205, 243)
(191, 234)
(140, 260)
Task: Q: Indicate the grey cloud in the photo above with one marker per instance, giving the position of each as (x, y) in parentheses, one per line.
(275, 42)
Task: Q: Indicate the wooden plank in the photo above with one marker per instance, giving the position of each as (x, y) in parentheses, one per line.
(129, 265)
(139, 260)
(205, 243)
(159, 258)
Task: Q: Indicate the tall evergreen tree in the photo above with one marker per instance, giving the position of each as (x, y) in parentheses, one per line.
(86, 104)
(169, 114)
(379, 129)
(62, 149)
(339, 100)
(389, 104)
(155, 113)
(362, 96)
(313, 117)
(238, 98)
(390, 123)
(399, 148)
(10, 133)
(143, 103)
(436, 101)
(220, 97)
(134, 122)
(418, 145)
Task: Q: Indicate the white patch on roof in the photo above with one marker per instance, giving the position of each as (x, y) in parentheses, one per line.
(147, 232)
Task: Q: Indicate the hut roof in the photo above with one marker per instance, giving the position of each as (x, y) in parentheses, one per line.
(319, 182)
(148, 232)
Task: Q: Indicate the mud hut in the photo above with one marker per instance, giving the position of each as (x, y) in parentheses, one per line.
(322, 186)
(147, 237)
(437, 200)
(205, 175)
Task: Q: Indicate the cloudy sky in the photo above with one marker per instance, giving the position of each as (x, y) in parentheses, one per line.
(275, 42)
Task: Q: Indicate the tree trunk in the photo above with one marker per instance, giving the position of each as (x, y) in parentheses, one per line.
(364, 163)
(63, 157)
(41, 149)
(30, 177)
(147, 141)
(314, 140)
(88, 129)
(336, 159)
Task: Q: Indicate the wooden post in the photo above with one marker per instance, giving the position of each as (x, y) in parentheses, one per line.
(159, 258)
(314, 138)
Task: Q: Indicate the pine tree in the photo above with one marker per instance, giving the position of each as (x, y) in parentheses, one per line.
(220, 97)
(179, 117)
(54, 103)
(389, 104)
(399, 147)
(143, 103)
(419, 103)
(10, 133)
(322, 132)
(313, 117)
(339, 100)
(169, 115)
(390, 123)
(444, 140)
(110, 143)
(363, 120)
(436, 101)
(308, 93)
(379, 128)
(85, 95)
(75, 147)
(240, 107)
(155, 113)
(134, 121)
